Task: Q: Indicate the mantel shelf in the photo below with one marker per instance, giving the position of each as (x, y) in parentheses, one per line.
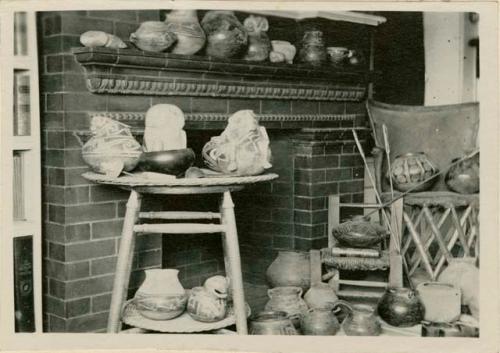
(129, 71)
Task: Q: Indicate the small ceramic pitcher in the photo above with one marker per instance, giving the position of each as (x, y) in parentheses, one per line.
(287, 299)
(361, 320)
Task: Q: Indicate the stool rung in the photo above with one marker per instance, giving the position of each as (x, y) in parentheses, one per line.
(363, 283)
(179, 215)
(180, 228)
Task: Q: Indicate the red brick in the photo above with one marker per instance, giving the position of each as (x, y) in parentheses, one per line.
(358, 173)
(55, 139)
(309, 175)
(51, 82)
(54, 102)
(209, 105)
(107, 193)
(78, 24)
(89, 286)
(53, 63)
(77, 307)
(351, 160)
(56, 176)
(54, 232)
(52, 121)
(274, 228)
(103, 265)
(305, 107)
(74, 82)
(52, 25)
(107, 229)
(281, 215)
(122, 15)
(56, 324)
(54, 158)
(309, 231)
(101, 302)
(338, 174)
(148, 242)
(78, 102)
(309, 149)
(308, 244)
(73, 176)
(54, 306)
(76, 195)
(274, 106)
(77, 232)
(351, 186)
(89, 250)
(317, 162)
(120, 103)
(87, 323)
(52, 44)
(147, 259)
(67, 271)
(89, 212)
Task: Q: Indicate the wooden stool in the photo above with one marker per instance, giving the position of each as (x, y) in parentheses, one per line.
(227, 227)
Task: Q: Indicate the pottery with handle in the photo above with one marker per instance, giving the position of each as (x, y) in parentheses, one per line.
(153, 36)
(319, 322)
(289, 300)
(361, 319)
(272, 323)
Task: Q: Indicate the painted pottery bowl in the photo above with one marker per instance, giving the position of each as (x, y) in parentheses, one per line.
(359, 233)
(413, 171)
(161, 307)
(173, 162)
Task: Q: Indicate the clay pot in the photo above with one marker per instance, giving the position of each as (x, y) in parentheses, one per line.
(462, 273)
(464, 176)
(226, 36)
(161, 295)
(313, 49)
(287, 299)
(93, 39)
(409, 171)
(259, 44)
(320, 295)
(359, 233)
(361, 320)
(290, 268)
(401, 307)
(286, 48)
(441, 301)
(173, 162)
(272, 323)
(338, 55)
(153, 36)
(319, 322)
(190, 35)
(209, 303)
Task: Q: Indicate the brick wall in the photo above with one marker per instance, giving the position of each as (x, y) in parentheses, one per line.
(83, 220)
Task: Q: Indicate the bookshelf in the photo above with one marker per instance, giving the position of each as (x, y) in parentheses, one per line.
(21, 172)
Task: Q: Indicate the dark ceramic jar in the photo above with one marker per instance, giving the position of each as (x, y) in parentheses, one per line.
(226, 36)
(313, 49)
(463, 177)
(272, 323)
(401, 307)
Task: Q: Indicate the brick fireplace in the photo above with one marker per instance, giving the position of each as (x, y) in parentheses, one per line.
(309, 121)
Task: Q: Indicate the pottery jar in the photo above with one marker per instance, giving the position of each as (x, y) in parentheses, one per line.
(361, 319)
(160, 282)
(463, 177)
(286, 48)
(319, 322)
(442, 301)
(313, 49)
(320, 295)
(410, 170)
(287, 299)
(272, 323)
(209, 303)
(290, 268)
(462, 273)
(259, 44)
(226, 36)
(153, 36)
(190, 36)
(401, 307)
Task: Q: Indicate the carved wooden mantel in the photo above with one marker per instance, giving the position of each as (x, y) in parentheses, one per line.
(128, 71)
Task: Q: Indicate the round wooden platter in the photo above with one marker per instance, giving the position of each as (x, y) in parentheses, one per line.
(181, 324)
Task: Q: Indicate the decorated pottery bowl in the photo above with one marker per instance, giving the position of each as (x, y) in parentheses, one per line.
(413, 171)
(164, 307)
(359, 233)
(173, 162)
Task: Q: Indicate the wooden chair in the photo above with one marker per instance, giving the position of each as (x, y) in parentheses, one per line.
(439, 224)
(336, 258)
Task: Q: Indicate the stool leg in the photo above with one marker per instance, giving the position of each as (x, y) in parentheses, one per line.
(124, 262)
(233, 261)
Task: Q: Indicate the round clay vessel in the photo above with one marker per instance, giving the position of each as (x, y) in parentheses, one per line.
(226, 36)
(319, 322)
(290, 268)
(464, 176)
(463, 273)
(285, 48)
(320, 295)
(259, 44)
(161, 307)
(442, 301)
(401, 307)
(209, 303)
(410, 170)
(361, 320)
(272, 323)
(190, 36)
(359, 233)
(313, 49)
(287, 299)
(173, 162)
(153, 36)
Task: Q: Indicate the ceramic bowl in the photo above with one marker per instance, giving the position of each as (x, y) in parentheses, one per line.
(359, 233)
(98, 160)
(173, 162)
(161, 307)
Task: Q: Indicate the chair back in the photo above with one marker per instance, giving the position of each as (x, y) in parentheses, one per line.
(442, 132)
